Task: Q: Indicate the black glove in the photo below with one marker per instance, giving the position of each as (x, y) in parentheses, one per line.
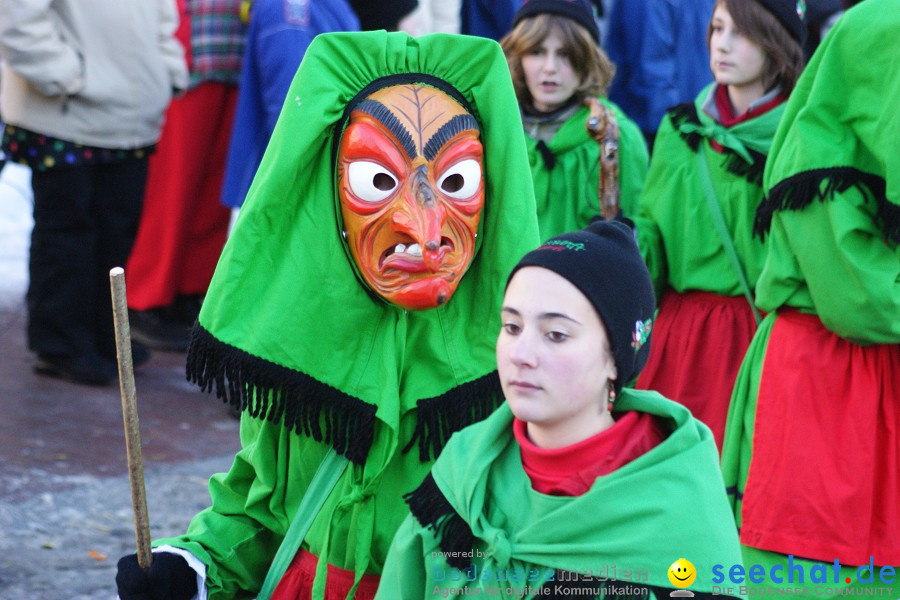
(169, 578)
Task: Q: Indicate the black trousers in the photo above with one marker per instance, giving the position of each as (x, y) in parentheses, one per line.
(85, 223)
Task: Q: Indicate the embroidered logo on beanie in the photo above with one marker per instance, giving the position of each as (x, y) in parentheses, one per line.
(641, 333)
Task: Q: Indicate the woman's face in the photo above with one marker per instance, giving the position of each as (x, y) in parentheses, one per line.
(734, 59)
(553, 358)
(549, 75)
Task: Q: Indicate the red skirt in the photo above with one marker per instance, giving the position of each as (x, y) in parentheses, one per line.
(183, 224)
(297, 581)
(698, 342)
(824, 478)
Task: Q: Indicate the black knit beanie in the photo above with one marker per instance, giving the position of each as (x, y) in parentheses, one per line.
(604, 263)
(791, 14)
(580, 11)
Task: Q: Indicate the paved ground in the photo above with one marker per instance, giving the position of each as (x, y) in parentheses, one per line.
(65, 503)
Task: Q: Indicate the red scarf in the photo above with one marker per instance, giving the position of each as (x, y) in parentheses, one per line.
(572, 470)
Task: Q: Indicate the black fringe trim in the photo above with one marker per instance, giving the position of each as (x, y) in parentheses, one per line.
(752, 172)
(734, 162)
(800, 190)
(269, 391)
(547, 155)
(439, 417)
(686, 113)
(429, 506)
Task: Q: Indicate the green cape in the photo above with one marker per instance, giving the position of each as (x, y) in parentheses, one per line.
(566, 172)
(667, 504)
(676, 231)
(287, 329)
(840, 128)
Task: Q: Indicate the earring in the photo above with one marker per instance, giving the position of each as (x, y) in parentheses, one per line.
(611, 400)
(344, 233)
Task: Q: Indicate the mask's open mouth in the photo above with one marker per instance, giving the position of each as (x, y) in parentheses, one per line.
(407, 255)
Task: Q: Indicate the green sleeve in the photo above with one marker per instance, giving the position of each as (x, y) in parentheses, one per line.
(238, 535)
(649, 235)
(831, 258)
(566, 195)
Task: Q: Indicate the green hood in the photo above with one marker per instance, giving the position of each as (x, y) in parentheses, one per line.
(288, 331)
(840, 127)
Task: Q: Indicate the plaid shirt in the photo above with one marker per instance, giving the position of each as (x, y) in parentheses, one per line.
(217, 41)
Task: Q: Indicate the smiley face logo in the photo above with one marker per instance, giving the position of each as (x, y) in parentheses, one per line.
(682, 573)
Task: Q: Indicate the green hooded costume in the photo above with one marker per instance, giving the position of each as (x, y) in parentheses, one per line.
(476, 522)
(289, 334)
(675, 229)
(566, 172)
(812, 434)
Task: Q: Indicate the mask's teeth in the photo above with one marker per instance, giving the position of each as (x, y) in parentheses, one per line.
(414, 250)
(399, 248)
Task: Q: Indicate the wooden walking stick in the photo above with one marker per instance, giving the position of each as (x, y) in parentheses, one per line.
(602, 127)
(130, 416)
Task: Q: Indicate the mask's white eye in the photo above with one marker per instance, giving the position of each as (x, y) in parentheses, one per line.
(370, 181)
(461, 180)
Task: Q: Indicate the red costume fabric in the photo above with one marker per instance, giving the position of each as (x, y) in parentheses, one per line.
(841, 499)
(727, 116)
(699, 367)
(297, 582)
(572, 470)
(183, 226)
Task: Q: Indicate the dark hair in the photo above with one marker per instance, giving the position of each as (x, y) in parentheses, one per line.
(593, 67)
(784, 56)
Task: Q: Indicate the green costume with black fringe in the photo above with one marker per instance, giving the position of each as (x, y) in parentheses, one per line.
(675, 229)
(289, 334)
(477, 513)
(566, 172)
(832, 224)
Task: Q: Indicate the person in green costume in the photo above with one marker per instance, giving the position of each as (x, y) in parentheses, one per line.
(812, 445)
(560, 74)
(695, 216)
(576, 485)
(352, 315)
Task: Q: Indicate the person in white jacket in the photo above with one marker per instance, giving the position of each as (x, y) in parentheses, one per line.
(83, 90)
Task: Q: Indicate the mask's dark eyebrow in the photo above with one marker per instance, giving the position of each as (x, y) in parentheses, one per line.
(380, 112)
(456, 125)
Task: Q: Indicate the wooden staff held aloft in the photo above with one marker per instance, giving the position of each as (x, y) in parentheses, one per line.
(603, 128)
(130, 416)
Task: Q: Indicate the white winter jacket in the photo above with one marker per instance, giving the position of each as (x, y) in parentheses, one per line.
(96, 72)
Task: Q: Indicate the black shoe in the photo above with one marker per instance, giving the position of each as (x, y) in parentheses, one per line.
(152, 329)
(140, 356)
(90, 369)
(185, 309)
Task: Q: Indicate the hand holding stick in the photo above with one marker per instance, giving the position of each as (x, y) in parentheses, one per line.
(602, 127)
(130, 416)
